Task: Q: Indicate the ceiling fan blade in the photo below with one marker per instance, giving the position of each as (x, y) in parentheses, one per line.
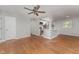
(41, 11)
(37, 7)
(28, 9)
(30, 13)
(36, 14)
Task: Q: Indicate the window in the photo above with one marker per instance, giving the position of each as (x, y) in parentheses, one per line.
(67, 24)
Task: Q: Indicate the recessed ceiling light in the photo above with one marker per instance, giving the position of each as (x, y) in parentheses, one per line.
(67, 16)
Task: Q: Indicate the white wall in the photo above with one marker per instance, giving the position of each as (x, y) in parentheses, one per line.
(74, 31)
(35, 26)
(23, 26)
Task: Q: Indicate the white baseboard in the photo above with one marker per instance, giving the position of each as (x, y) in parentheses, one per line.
(19, 37)
(15, 38)
(71, 35)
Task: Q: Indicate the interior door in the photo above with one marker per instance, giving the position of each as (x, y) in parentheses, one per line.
(10, 27)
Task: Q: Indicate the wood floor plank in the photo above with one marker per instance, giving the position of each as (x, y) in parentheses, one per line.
(63, 44)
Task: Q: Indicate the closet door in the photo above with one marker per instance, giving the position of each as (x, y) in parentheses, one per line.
(10, 27)
(0, 28)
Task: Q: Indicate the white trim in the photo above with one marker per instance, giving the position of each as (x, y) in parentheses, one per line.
(15, 38)
(71, 35)
(22, 36)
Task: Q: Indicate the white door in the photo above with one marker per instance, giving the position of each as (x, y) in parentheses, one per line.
(10, 27)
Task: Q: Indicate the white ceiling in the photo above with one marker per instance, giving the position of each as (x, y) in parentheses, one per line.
(57, 11)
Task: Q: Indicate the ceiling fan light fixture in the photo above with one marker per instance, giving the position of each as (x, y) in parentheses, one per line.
(35, 10)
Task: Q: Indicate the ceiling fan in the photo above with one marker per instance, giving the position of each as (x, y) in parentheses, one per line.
(35, 10)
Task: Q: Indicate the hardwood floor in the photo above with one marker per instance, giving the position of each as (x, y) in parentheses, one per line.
(62, 44)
